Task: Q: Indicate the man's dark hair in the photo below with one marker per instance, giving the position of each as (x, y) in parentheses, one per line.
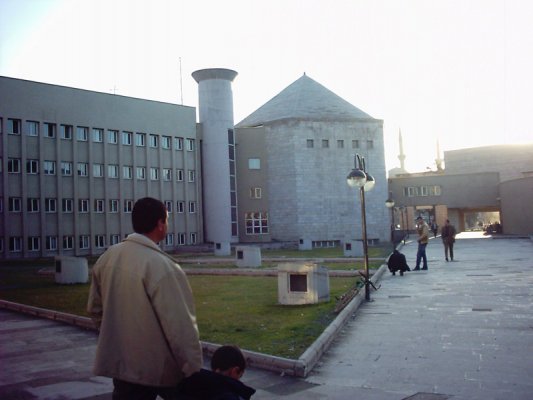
(146, 214)
(226, 357)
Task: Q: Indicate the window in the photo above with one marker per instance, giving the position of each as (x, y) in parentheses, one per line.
(83, 205)
(181, 239)
(34, 243)
(32, 128)
(340, 144)
(50, 205)
(98, 135)
(13, 126)
(49, 167)
(190, 144)
(141, 173)
(99, 205)
(32, 167)
(154, 174)
(140, 139)
(168, 205)
(99, 241)
(113, 206)
(128, 206)
(355, 144)
(192, 175)
(13, 165)
(112, 171)
(126, 138)
(14, 204)
(33, 205)
(68, 242)
(192, 207)
(193, 237)
(255, 193)
(83, 169)
(325, 143)
(369, 144)
(169, 239)
(180, 207)
(127, 172)
(167, 174)
(67, 205)
(51, 243)
(154, 140)
(112, 136)
(254, 163)
(82, 133)
(84, 242)
(66, 168)
(98, 170)
(179, 175)
(166, 142)
(49, 130)
(256, 223)
(15, 244)
(310, 143)
(114, 239)
(179, 143)
(66, 132)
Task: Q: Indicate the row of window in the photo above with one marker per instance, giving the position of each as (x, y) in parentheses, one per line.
(66, 132)
(325, 144)
(33, 205)
(15, 243)
(422, 191)
(14, 166)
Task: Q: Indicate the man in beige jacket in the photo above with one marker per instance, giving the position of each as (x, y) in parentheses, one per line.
(142, 303)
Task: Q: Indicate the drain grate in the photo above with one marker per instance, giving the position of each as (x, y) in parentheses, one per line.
(427, 396)
(481, 309)
(399, 297)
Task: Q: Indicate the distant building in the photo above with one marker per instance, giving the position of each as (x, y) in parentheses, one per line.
(73, 162)
(483, 179)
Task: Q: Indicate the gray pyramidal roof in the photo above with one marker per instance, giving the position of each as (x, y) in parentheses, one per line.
(304, 99)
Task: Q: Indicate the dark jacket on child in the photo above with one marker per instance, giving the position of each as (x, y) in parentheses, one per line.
(397, 262)
(209, 385)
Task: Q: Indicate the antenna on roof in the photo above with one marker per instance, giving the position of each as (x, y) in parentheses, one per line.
(181, 84)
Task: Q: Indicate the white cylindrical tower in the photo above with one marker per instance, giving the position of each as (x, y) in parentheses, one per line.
(215, 105)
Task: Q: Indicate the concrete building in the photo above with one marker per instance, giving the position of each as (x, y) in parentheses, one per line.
(483, 179)
(72, 163)
(294, 154)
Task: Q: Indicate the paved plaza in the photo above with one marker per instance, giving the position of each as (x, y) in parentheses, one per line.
(462, 330)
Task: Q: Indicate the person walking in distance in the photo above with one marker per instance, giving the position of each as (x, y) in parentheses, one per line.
(423, 238)
(448, 239)
(142, 303)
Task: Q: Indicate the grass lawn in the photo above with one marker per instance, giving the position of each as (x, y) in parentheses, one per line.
(243, 310)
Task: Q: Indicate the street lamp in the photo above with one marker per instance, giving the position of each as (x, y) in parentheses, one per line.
(362, 180)
(390, 204)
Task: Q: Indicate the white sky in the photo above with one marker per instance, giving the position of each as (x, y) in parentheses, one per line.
(457, 71)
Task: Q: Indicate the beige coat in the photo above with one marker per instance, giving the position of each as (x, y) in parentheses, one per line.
(142, 302)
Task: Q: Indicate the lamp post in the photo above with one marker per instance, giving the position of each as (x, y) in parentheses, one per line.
(390, 204)
(362, 180)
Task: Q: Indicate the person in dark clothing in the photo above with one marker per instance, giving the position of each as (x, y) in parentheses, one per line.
(397, 262)
(222, 382)
(448, 239)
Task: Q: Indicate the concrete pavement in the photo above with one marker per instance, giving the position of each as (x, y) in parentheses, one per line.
(461, 330)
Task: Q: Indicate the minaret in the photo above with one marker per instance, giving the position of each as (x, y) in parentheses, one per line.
(401, 156)
(438, 160)
(215, 105)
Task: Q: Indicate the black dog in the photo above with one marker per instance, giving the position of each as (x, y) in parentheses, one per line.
(397, 262)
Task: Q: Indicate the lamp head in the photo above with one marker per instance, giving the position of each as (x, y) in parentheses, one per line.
(357, 178)
(370, 183)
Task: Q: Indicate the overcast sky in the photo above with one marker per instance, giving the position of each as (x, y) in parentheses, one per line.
(457, 71)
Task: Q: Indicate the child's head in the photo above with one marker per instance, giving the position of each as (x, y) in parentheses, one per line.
(228, 360)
